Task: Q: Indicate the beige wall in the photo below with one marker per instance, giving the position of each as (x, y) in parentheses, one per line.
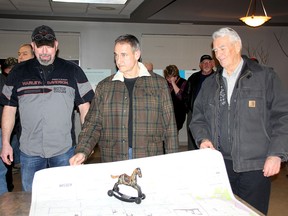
(97, 41)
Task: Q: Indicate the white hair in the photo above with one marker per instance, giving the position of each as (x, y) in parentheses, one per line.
(227, 31)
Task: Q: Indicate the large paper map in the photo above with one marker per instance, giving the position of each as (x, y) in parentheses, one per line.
(186, 183)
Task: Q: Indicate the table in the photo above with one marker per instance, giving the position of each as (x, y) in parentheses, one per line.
(18, 204)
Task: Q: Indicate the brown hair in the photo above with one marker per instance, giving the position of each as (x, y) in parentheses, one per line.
(130, 39)
(171, 70)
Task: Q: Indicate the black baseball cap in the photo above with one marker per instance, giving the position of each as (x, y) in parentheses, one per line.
(43, 36)
(204, 57)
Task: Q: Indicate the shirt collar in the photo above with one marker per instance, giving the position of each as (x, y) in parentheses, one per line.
(236, 72)
(142, 72)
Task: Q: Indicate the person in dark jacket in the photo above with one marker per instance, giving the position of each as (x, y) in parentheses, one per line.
(242, 111)
(8, 65)
(176, 85)
(191, 90)
(6, 177)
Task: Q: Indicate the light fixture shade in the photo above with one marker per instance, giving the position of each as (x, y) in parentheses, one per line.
(93, 1)
(255, 21)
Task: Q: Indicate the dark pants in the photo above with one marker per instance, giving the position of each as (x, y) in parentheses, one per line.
(191, 142)
(9, 177)
(253, 187)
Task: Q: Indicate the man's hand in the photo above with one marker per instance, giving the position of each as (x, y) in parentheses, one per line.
(77, 159)
(272, 166)
(206, 144)
(7, 154)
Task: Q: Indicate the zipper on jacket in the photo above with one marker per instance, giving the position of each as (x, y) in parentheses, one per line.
(238, 85)
(216, 120)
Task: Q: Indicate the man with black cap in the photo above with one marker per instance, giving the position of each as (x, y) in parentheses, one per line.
(192, 88)
(45, 89)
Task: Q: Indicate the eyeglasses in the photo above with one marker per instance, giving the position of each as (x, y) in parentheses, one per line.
(40, 37)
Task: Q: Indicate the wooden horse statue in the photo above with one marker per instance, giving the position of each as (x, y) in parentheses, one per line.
(129, 181)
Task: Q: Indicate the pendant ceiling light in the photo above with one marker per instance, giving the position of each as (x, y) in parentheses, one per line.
(93, 1)
(253, 20)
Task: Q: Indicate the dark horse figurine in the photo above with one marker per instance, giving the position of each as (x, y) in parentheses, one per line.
(129, 181)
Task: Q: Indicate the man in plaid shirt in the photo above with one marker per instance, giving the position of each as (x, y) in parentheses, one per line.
(131, 113)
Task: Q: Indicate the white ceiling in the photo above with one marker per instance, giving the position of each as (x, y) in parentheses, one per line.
(206, 12)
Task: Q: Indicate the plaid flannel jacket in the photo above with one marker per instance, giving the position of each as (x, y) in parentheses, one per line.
(106, 123)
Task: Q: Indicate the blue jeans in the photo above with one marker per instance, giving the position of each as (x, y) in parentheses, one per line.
(16, 151)
(31, 164)
(3, 171)
(130, 153)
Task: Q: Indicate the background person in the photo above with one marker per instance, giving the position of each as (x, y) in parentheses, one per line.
(149, 66)
(192, 88)
(131, 113)
(242, 111)
(45, 89)
(6, 177)
(25, 52)
(9, 63)
(3, 172)
(254, 59)
(176, 85)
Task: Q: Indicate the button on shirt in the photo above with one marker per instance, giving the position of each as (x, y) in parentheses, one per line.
(46, 104)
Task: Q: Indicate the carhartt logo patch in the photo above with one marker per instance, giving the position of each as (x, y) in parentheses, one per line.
(252, 103)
